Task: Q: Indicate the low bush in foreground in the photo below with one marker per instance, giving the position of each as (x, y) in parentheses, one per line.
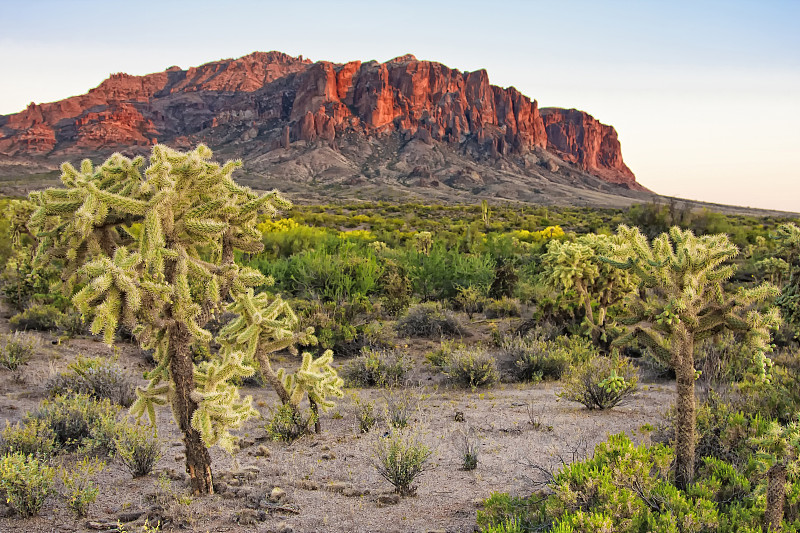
(627, 488)
(138, 448)
(26, 482)
(400, 458)
(471, 367)
(100, 378)
(16, 350)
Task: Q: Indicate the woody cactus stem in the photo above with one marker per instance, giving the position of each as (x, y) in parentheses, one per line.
(684, 299)
(155, 253)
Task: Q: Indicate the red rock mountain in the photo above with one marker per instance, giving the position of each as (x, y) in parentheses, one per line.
(266, 105)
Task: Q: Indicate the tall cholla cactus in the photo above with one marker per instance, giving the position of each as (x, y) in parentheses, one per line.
(683, 300)
(155, 253)
(576, 265)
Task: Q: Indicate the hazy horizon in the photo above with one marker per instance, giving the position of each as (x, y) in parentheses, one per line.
(704, 95)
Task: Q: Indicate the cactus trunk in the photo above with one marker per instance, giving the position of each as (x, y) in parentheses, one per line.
(198, 460)
(776, 494)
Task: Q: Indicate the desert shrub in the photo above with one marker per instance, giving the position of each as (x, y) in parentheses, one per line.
(80, 490)
(535, 359)
(438, 358)
(504, 307)
(429, 319)
(71, 323)
(471, 367)
(400, 406)
(75, 419)
(39, 317)
(468, 447)
(601, 382)
(287, 424)
(470, 299)
(16, 350)
(138, 448)
(400, 458)
(377, 368)
(365, 415)
(501, 509)
(26, 482)
(97, 377)
(32, 437)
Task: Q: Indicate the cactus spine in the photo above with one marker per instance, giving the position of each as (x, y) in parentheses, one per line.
(154, 252)
(682, 300)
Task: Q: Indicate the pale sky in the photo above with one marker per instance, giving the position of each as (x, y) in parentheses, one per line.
(705, 95)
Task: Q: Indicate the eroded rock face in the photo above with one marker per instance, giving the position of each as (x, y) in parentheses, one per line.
(267, 101)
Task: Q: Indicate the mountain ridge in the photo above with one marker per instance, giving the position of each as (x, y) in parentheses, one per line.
(450, 130)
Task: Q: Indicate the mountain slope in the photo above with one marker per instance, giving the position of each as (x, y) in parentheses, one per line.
(399, 128)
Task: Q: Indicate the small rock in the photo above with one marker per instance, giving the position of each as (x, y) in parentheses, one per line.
(283, 527)
(388, 499)
(247, 517)
(176, 443)
(338, 486)
(459, 416)
(263, 451)
(100, 526)
(436, 531)
(354, 492)
(327, 456)
(179, 458)
(246, 443)
(220, 487)
(277, 495)
(325, 448)
(306, 484)
(129, 516)
(5, 510)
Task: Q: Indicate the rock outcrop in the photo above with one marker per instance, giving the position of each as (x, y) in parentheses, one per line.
(268, 101)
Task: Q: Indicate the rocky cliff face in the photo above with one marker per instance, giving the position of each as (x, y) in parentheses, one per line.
(270, 101)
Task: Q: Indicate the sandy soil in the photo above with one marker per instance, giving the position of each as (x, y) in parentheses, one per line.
(330, 482)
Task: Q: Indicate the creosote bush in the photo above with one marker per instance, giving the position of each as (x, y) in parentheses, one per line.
(38, 317)
(536, 359)
(365, 415)
(601, 382)
(383, 368)
(400, 458)
(429, 319)
(77, 420)
(401, 404)
(80, 490)
(16, 350)
(26, 482)
(100, 378)
(468, 447)
(288, 424)
(502, 308)
(138, 448)
(33, 437)
(471, 367)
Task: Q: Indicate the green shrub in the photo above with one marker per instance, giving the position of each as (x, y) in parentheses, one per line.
(501, 509)
(601, 382)
(377, 368)
(288, 425)
(71, 323)
(471, 367)
(365, 415)
(76, 419)
(138, 448)
(400, 458)
(468, 448)
(400, 405)
(438, 358)
(470, 299)
(39, 317)
(502, 308)
(33, 437)
(535, 359)
(80, 490)
(16, 349)
(26, 482)
(429, 319)
(97, 377)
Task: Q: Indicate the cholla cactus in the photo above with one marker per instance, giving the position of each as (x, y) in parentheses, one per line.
(778, 453)
(576, 265)
(788, 238)
(155, 253)
(683, 300)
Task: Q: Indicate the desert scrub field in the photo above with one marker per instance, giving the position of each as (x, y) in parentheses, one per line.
(443, 368)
